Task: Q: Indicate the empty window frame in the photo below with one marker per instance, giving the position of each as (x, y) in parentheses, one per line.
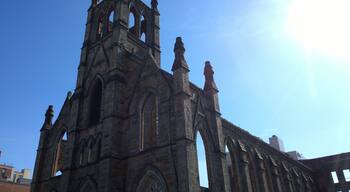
(334, 177)
(202, 162)
(346, 173)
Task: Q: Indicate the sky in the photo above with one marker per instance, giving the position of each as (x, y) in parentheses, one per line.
(282, 66)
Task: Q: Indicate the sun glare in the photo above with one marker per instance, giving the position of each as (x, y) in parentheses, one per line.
(321, 26)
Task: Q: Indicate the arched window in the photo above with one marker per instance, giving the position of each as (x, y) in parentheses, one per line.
(95, 103)
(99, 33)
(111, 20)
(132, 20)
(232, 169)
(202, 162)
(59, 154)
(143, 29)
(149, 122)
(152, 181)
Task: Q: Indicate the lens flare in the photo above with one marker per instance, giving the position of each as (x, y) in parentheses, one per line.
(321, 26)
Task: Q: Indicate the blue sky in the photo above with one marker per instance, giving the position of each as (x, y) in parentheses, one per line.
(271, 81)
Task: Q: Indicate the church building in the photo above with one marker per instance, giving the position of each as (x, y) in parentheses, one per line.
(130, 126)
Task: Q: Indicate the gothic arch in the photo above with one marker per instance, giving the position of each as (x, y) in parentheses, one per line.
(88, 186)
(112, 14)
(60, 147)
(253, 169)
(152, 181)
(143, 28)
(234, 169)
(149, 120)
(95, 101)
(133, 19)
(203, 129)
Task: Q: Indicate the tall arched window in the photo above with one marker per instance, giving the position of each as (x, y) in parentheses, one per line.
(59, 154)
(132, 20)
(143, 29)
(111, 20)
(202, 162)
(149, 122)
(95, 103)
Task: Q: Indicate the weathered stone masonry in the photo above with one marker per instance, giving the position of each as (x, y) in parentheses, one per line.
(131, 126)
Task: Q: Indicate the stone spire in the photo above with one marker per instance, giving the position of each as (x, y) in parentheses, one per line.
(180, 61)
(48, 118)
(209, 78)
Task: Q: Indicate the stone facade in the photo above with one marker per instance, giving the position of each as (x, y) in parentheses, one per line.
(130, 126)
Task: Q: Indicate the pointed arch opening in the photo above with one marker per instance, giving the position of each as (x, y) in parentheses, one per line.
(202, 161)
(95, 103)
(111, 20)
(132, 20)
(152, 181)
(143, 29)
(230, 168)
(149, 122)
(61, 147)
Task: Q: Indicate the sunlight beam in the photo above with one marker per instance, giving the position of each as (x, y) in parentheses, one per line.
(321, 26)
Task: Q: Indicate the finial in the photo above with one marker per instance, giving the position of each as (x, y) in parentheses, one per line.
(209, 78)
(48, 118)
(154, 4)
(179, 50)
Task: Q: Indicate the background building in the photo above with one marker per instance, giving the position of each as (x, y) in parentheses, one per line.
(14, 181)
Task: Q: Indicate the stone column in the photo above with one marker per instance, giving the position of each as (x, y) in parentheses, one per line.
(246, 181)
(44, 131)
(186, 161)
(219, 176)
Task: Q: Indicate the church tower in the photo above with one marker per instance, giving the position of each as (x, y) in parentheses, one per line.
(129, 126)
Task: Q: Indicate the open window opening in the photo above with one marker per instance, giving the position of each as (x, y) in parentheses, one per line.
(334, 177)
(59, 154)
(143, 29)
(346, 173)
(132, 20)
(202, 162)
(95, 103)
(111, 20)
